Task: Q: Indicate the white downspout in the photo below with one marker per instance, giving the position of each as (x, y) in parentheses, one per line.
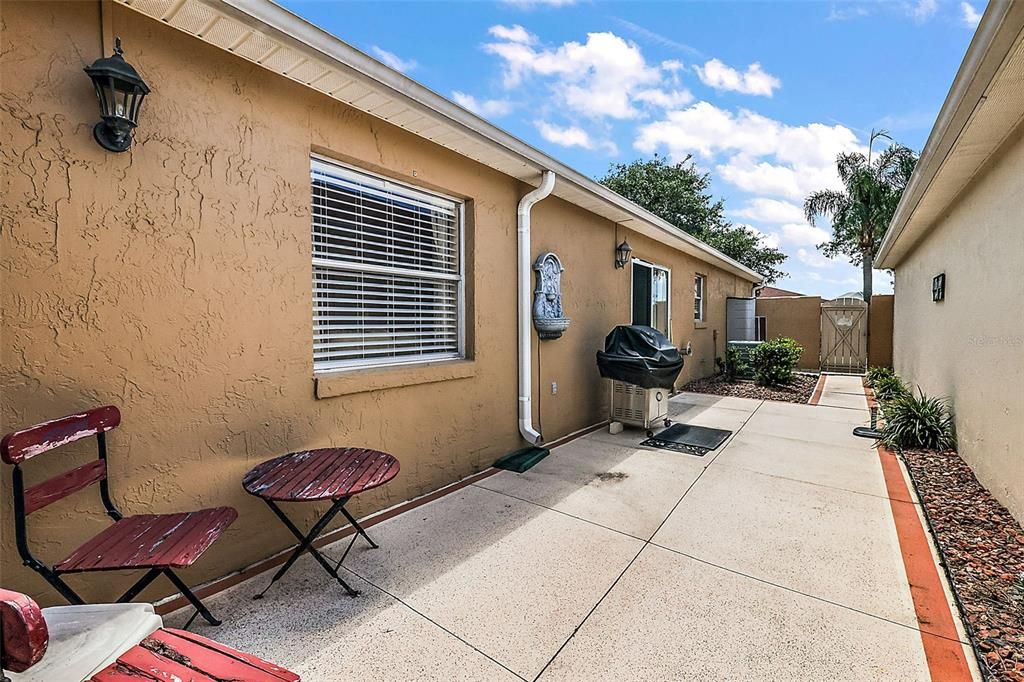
(531, 435)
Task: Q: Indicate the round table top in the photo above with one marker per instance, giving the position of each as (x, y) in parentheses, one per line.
(324, 474)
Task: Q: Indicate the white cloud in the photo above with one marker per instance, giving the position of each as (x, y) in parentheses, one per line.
(918, 10)
(761, 177)
(755, 153)
(846, 11)
(803, 234)
(393, 60)
(529, 4)
(923, 9)
(969, 15)
(486, 107)
(754, 81)
(513, 34)
(573, 136)
(767, 238)
(599, 78)
(707, 130)
(764, 210)
(665, 99)
(655, 37)
(813, 259)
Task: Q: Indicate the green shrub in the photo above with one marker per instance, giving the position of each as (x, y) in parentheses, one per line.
(735, 367)
(774, 361)
(917, 422)
(888, 388)
(876, 373)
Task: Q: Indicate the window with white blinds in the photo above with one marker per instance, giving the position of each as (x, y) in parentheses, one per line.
(387, 271)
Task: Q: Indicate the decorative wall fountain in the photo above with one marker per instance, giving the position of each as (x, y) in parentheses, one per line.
(548, 317)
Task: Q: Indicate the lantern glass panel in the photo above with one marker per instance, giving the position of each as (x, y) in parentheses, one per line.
(105, 93)
(121, 109)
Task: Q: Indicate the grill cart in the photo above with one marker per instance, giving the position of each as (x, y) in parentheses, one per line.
(643, 366)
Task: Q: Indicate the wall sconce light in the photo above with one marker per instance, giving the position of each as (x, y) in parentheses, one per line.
(622, 252)
(120, 91)
(939, 287)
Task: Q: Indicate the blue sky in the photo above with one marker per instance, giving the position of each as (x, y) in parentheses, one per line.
(763, 95)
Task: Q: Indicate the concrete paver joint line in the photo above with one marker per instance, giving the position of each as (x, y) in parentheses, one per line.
(815, 597)
(624, 571)
(433, 622)
(647, 542)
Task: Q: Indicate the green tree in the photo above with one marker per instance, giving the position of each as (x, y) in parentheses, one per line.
(679, 194)
(863, 209)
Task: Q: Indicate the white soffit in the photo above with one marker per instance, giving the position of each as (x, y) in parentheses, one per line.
(995, 112)
(265, 33)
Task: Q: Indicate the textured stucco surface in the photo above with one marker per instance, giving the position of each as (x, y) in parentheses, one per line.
(797, 317)
(880, 330)
(970, 346)
(174, 281)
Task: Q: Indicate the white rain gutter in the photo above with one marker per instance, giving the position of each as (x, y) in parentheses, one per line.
(547, 184)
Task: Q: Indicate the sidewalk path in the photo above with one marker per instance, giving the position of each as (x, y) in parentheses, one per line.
(775, 557)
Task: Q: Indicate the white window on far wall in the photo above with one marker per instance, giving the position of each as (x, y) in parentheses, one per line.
(387, 271)
(698, 298)
(760, 328)
(651, 289)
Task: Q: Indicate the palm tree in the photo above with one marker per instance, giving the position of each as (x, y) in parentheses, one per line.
(862, 210)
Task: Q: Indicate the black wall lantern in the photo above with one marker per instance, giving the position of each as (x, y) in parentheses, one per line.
(622, 252)
(939, 287)
(120, 90)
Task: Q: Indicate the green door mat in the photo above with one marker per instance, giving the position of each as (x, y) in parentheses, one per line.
(521, 460)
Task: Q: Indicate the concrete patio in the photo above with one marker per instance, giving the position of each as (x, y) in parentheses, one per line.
(774, 557)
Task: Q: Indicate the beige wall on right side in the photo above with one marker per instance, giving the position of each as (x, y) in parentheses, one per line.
(880, 331)
(970, 346)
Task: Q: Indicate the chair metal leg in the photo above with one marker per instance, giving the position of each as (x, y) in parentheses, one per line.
(192, 598)
(306, 544)
(58, 584)
(138, 587)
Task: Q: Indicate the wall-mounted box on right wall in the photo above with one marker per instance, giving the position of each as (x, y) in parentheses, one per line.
(939, 287)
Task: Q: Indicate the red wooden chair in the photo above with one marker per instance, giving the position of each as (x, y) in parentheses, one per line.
(114, 643)
(158, 543)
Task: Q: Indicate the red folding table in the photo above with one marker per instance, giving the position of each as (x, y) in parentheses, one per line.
(335, 474)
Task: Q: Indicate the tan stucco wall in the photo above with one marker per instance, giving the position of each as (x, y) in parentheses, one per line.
(174, 281)
(797, 317)
(880, 331)
(970, 347)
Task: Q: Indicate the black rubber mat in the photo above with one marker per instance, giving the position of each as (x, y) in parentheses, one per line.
(693, 440)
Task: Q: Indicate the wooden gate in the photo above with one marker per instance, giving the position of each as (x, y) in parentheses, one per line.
(844, 336)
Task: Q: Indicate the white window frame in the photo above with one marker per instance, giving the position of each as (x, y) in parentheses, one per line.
(759, 322)
(338, 366)
(653, 267)
(698, 308)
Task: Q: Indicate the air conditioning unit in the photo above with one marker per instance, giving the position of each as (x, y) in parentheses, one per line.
(638, 406)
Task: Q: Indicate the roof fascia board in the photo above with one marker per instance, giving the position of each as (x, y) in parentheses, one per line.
(996, 34)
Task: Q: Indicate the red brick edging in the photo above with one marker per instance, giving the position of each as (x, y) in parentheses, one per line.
(818, 388)
(942, 647)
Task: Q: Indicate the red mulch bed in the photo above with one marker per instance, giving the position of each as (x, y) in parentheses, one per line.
(983, 547)
(799, 391)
